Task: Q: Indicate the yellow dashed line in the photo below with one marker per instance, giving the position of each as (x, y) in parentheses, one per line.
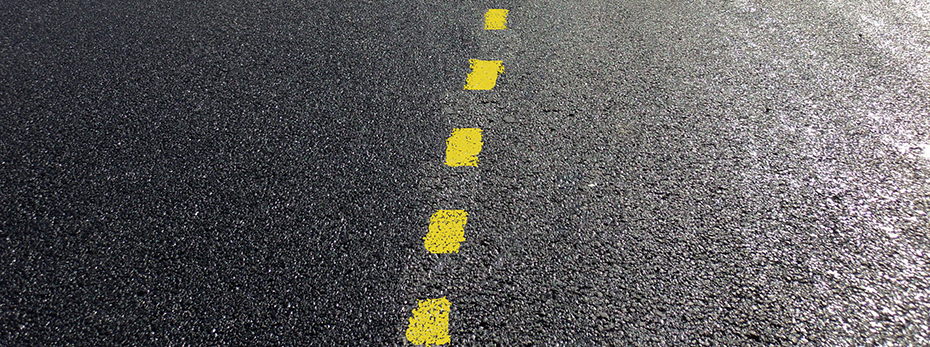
(430, 323)
(446, 231)
(495, 19)
(463, 146)
(483, 74)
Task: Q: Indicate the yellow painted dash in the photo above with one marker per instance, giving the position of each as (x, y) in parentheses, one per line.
(463, 146)
(495, 19)
(430, 323)
(446, 231)
(483, 74)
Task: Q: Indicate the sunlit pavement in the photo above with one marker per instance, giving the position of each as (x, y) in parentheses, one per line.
(651, 173)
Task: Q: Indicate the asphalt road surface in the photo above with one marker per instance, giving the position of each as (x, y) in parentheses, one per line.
(654, 172)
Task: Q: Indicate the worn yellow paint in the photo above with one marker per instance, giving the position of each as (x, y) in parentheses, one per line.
(446, 231)
(463, 146)
(483, 74)
(495, 19)
(430, 322)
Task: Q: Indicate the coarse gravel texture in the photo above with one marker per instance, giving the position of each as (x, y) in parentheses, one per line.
(711, 172)
(212, 173)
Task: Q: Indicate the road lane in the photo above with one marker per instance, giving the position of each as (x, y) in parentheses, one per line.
(662, 173)
(232, 172)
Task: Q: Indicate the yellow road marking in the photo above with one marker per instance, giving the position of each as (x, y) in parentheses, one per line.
(483, 74)
(463, 146)
(446, 231)
(495, 19)
(430, 322)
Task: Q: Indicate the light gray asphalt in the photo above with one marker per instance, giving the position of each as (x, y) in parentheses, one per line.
(654, 172)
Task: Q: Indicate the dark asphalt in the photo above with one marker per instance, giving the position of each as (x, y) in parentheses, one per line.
(230, 173)
(654, 172)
